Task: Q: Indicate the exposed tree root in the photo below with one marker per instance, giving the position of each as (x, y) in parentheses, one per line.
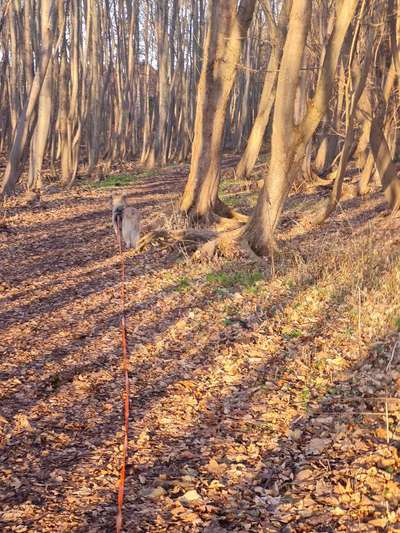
(232, 214)
(229, 224)
(190, 239)
(219, 215)
(230, 244)
(223, 211)
(206, 244)
(323, 182)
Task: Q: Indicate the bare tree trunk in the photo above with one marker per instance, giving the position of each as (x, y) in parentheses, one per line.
(277, 184)
(71, 158)
(95, 100)
(384, 163)
(227, 29)
(13, 169)
(148, 150)
(63, 108)
(13, 84)
(40, 134)
(254, 143)
(163, 90)
(289, 142)
(357, 79)
(28, 50)
(368, 119)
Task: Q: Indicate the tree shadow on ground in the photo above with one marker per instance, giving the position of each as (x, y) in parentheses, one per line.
(265, 490)
(203, 389)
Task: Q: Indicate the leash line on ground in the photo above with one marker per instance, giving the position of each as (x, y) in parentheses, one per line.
(125, 364)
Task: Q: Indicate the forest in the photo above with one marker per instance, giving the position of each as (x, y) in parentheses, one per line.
(199, 266)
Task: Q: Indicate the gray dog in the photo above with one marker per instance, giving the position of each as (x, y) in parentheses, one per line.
(126, 219)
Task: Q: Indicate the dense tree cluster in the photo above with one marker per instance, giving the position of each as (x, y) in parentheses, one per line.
(85, 84)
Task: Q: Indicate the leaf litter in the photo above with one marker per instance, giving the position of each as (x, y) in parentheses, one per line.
(258, 403)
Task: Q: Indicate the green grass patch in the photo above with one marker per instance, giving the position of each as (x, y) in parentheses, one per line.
(305, 396)
(240, 198)
(226, 280)
(183, 285)
(232, 201)
(120, 180)
(227, 183)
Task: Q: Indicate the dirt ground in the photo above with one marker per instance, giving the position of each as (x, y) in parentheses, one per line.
(262, 399)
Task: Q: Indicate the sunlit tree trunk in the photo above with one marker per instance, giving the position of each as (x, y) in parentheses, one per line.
(289, 142)
(276, 185)
(13, 168)
(254, 143)
(357, 78)
(227, 29)
(40, 134)
(13, 80)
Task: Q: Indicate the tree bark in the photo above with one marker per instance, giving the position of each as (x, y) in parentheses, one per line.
(289, 142)
(254, 143)
(384, 163)
(358, 76)
(228, 25)
(276, 185)
(41, 131)
(13, 169)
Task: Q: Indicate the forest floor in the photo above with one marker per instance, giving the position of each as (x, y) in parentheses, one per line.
(261, 400)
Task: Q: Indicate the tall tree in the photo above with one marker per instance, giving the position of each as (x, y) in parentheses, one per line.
(289, 141)
(254, 143)
(227, 28)
(41, 131)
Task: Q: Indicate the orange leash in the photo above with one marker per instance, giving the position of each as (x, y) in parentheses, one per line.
(125, 364)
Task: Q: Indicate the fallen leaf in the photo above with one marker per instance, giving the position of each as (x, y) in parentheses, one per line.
(190, 497)
(316, 446)
(215, 468)
(157, 493)
(304, 475)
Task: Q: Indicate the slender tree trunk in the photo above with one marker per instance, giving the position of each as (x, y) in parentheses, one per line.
(13, 83)
(13, 168)
(358, 78)
(28, 50)
(383, 161)
(40, 134)
(63, 109)
(71, 158)
(163, 80)
(95, 100)
(377, 119)
(277, 184)
(254, 143)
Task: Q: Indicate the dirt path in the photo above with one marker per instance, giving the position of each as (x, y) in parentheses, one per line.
(255, 400)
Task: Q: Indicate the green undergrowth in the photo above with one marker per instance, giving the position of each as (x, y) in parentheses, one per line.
(236, 193)
(120, 180)
(116, 181)
(249, 281)
(243, 279)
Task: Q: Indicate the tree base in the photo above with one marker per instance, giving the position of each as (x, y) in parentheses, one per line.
(214, 215)
(203, 244)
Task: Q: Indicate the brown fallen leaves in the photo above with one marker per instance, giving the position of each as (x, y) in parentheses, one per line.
(257, 404)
